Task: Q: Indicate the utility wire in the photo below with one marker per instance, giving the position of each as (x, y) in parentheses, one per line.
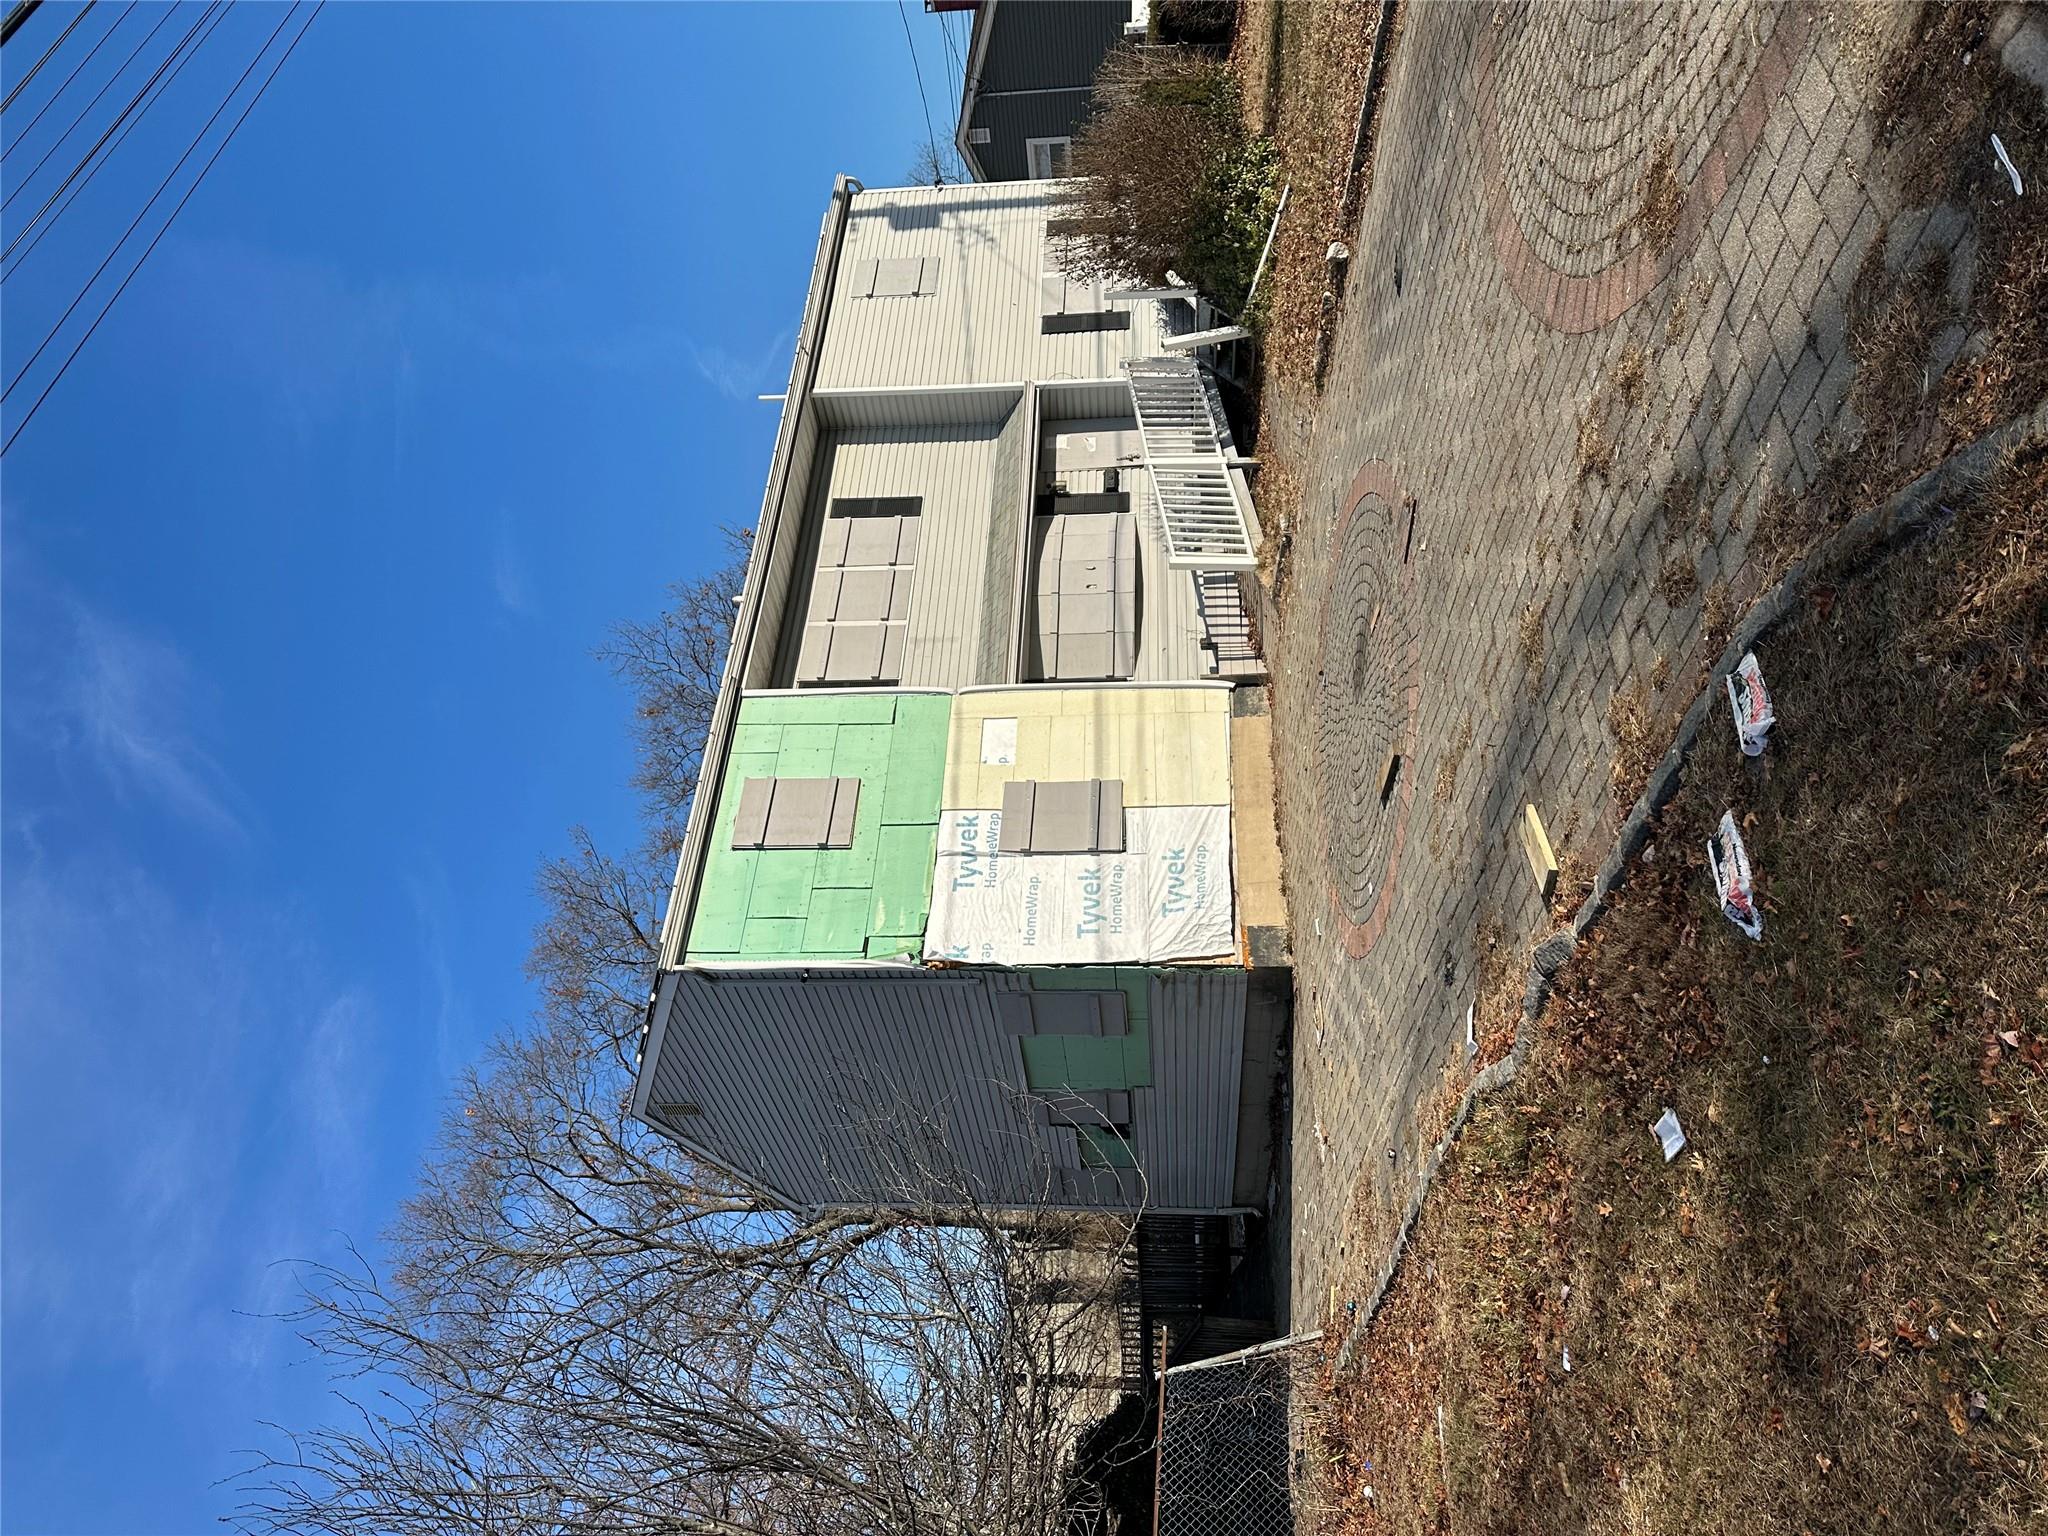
(953, 55)
(904, 16)
(17, 13)
(86, 110)
(92, 153)
(54, 95)
(119, 117)
(134, 223)
(22, 84)
(114, 148)
(219, 149)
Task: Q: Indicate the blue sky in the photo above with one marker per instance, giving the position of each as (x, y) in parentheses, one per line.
(449, 365)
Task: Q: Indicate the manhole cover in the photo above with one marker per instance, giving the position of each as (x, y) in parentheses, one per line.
(1370, 694)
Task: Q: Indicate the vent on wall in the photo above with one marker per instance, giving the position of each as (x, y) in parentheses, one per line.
(899, 277)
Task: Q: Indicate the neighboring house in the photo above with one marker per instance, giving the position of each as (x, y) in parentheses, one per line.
(1030, 68)
(983, 827)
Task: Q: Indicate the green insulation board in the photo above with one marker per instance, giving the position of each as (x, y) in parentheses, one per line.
(871, 899)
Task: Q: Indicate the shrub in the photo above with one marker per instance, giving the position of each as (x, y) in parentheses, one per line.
(1209, 23)
(1166, 178)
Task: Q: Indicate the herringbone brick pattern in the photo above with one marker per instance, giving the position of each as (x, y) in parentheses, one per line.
(1596, 310)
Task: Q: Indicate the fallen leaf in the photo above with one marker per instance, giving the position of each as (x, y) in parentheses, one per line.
(1957, 1419)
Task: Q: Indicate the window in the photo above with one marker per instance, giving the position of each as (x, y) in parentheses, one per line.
(1063, 816)
(1046, 159)
(977, 135)
(898, 277)
(1087, 593)
(796, 813)
(860, 594)
(1069, 304)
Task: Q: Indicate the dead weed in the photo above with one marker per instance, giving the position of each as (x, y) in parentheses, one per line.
(1659, 197)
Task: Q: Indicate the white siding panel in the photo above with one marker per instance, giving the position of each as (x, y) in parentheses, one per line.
(953, 469)
(783, 554)
(942, 406)
(982, 326)
(1169, 622)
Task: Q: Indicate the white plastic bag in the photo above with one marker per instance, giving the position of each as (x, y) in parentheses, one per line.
(1730, 862)
(1751, 703)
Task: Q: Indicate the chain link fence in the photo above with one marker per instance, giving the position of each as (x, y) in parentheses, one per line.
(1225, 1444)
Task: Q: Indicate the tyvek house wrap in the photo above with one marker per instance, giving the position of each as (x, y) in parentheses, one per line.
(1167, 896)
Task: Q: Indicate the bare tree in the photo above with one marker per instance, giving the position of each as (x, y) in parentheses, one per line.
(583, 1331)
(577, 1327)
(672, 665)
(935, 167)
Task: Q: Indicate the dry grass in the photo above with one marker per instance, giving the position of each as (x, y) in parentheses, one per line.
(1303, 69)
(1529, 638)
(1640, 737)
(1630, 373)
(1940, 97)
(1678, 580)
(1830, 1314)
(1595, 446)
(1681, 312)
(1892, 328)
(1454, 759)
(1717, 618)
(1659, 197)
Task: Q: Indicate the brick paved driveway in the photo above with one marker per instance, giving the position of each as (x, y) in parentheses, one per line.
(1617, 235)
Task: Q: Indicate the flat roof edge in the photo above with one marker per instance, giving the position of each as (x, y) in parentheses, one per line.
(803, 370)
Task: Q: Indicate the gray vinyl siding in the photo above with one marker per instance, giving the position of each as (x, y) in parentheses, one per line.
(1050, 42)
(787, 1068)
(1185, 1128)
(982, 325)
(790, 1066)
(1011, 120)
(1036, 46)
(953, 469)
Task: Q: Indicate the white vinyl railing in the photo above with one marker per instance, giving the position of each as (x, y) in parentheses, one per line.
(1192, 488)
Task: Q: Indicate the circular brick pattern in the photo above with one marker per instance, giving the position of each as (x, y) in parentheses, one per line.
(1575, 105)
(1368, 697)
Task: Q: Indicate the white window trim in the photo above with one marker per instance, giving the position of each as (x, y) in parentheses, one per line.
(1031, 146)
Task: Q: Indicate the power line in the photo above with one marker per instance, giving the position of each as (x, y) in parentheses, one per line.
(33, 69)
(119, 117)
(107, 261)
(92, 153)
(931, 141)
(953, 54)
(114, 148)
(17, 13)
(218, 151)
(86, 110)
(54, 95)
